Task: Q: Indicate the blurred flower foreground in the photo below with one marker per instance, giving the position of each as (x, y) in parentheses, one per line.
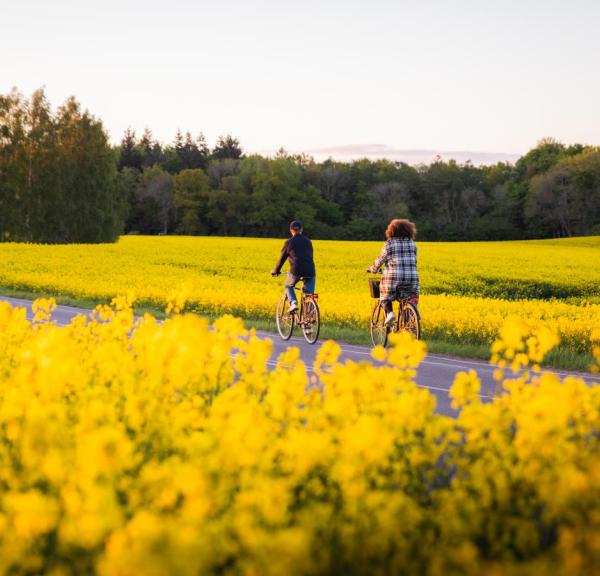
(132, 447)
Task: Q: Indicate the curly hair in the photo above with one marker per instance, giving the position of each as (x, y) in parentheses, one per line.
(401, 229)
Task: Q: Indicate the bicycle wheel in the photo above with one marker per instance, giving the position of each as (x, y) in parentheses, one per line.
(311, 324)
(379, 329)
(283, 319)
(409, 320)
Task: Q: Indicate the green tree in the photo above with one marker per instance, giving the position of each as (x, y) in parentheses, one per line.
(228, 206)
(88, 173)
(57, 174)
(150, 150)
(335, 183)
(172, 158)
(454, 198)
(565, 200)
(227, 147)
(130, 155)
(193, 153)
(191, 194)
(219, 169)
(42, 192)
(155, 200)
(389, 200)
(203, 152)
(277, 194)
(126, 186)
(13, 166)
(540, 159)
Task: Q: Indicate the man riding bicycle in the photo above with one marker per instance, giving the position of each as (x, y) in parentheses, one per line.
(299, 250)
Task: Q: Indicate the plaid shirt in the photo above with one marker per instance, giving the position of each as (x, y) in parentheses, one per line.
(400, 276)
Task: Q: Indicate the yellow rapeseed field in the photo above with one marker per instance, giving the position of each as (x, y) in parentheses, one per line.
(132, 447)
(469, 289)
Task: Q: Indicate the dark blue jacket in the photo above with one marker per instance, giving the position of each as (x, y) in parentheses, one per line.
(299, 250)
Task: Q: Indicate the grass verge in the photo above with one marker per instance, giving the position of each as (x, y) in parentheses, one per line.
(560, 357)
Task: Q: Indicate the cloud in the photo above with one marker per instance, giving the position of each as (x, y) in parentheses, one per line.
(351, 152)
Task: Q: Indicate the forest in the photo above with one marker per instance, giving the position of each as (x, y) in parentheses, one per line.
(61, 180)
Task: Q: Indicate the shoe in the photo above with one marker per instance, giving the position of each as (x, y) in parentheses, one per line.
(293, 307)
(390, 318)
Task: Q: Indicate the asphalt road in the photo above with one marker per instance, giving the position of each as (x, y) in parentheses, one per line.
(436, 372)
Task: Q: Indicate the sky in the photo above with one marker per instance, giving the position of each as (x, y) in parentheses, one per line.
(332, 77)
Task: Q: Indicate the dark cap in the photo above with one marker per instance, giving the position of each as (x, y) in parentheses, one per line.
(296, 225)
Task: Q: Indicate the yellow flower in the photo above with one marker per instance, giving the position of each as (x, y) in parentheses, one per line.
(595, 338)
(32, 513)
(465, 389)
(379, 353)
(406, 351)
(137, 447)
(43, 309)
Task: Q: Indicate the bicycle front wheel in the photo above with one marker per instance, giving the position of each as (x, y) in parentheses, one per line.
(410, 320)
(379, 329)
(311, 325)
(283, 318)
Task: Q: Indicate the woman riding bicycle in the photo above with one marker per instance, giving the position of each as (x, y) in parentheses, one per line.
(400, 278)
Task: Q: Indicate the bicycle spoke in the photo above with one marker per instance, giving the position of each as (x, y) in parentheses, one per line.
(283, 319)
(408, 320)
(310, 321)
(379, 330)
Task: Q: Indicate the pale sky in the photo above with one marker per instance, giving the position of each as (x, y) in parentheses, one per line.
(454, 75)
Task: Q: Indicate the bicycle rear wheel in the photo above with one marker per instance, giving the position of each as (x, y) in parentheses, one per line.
(409, 320)
(283, 318)
(311, 325)
(379, 329)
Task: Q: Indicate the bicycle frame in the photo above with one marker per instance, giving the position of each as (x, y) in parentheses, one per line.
(301, 319)
(399, 317)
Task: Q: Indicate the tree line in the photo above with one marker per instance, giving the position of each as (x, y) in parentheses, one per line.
(62, 181)
(184, 188)
(58, 174)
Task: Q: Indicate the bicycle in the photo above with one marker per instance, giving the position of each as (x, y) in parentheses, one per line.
(307, 316)
(408, 318)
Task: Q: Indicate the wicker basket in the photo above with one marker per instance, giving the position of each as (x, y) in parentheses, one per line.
(374, 287)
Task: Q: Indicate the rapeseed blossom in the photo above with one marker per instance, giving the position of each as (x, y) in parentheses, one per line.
(554, 281)
(130, 446)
